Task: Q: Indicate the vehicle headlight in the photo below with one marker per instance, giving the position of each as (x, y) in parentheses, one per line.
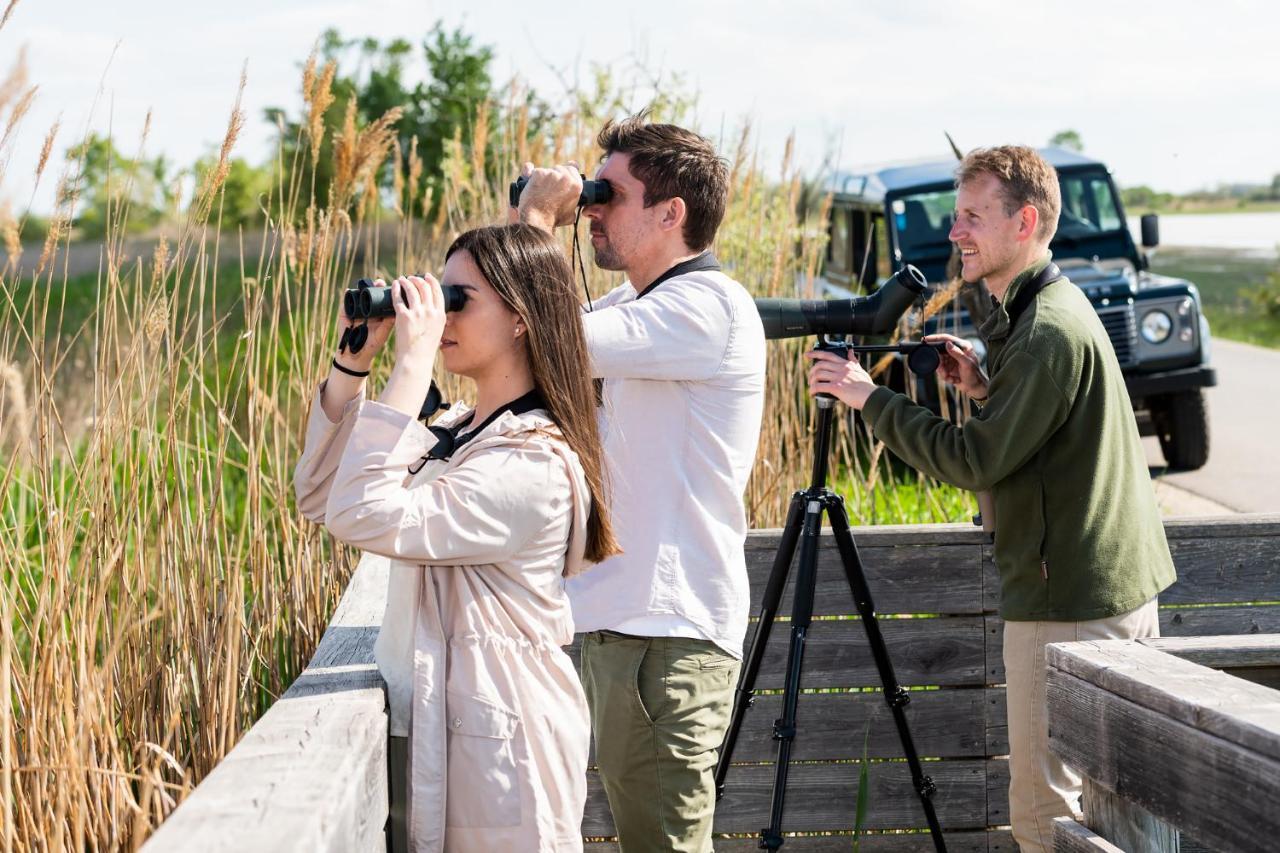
(1156, 326)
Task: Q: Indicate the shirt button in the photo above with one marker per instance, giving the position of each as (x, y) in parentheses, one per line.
(457, 723)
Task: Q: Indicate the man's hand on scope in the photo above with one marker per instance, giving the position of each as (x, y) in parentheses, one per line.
(960, 365)
(550, 199)
(842, 378)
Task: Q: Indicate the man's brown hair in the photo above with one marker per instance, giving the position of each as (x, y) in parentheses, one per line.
(1025, 178)
(671, 161)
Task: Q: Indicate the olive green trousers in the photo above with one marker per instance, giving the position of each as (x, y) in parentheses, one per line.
(659, 710)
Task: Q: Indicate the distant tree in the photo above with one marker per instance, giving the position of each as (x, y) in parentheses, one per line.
(1067, 139)
(373, 74)
(1145, 197)
(114, 190)
(1275, 186)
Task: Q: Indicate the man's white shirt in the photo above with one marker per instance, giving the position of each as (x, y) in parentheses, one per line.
(683, 396)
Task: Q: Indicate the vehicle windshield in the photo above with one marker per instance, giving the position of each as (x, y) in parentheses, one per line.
(922, 221)
(1088, 207)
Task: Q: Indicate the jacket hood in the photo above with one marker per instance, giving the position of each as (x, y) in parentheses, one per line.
(509, 429)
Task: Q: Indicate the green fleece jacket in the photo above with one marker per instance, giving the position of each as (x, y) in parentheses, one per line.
(1078, 532)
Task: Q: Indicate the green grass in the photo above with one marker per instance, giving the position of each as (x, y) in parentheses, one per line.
(1227, 205)
(901, 496)
(1232, 285)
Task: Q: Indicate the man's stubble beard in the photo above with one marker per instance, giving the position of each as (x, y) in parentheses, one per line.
(607, 259)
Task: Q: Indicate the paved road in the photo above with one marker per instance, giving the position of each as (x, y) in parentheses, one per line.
(1243, 472)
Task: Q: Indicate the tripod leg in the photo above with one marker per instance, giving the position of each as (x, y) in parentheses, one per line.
(744, 695)
(784, 729)
(894, 694)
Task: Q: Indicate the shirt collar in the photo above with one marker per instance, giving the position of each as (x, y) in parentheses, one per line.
(702, 263)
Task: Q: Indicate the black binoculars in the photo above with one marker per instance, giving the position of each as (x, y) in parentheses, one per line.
(593, 192)
(367, 300)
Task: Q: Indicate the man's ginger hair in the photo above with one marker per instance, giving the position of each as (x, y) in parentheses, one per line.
(1025, 178)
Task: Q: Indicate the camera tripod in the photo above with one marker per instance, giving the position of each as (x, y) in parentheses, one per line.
(803, 526)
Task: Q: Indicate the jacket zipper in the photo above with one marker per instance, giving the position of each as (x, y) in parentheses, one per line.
(1044, 531)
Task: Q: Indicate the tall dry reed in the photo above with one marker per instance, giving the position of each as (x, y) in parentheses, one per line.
(158, 588)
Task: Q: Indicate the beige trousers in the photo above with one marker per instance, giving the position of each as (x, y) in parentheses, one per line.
(1040, 786)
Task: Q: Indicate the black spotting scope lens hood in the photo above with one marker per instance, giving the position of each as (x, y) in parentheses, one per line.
(876, 314)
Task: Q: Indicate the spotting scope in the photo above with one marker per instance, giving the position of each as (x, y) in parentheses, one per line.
(876, 314)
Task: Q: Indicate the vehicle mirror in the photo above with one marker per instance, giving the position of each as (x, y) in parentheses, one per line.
(1150, 230)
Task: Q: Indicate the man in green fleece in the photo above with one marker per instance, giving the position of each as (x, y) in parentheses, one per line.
(1078, 537)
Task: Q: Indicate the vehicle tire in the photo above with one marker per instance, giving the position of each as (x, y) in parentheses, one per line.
(1183, 428)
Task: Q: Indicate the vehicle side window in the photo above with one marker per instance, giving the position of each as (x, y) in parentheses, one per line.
(838, 249)
(883, 267)
(1088, 206)
(1108, 217)
(866, 228)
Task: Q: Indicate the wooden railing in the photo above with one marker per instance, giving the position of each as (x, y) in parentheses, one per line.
(1178, 741)
(936, 589)
(312, 773)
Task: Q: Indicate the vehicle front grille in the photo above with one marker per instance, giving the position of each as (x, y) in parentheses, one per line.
(1122, 327)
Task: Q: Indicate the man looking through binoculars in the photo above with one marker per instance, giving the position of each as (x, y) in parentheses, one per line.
(1078, 538)
(681, 350)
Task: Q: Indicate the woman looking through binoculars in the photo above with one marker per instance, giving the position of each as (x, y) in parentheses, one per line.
(483, 517)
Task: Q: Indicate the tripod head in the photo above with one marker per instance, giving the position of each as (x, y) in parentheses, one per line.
(923, 357)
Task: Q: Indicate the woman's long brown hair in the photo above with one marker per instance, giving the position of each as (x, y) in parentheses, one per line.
(528, 269)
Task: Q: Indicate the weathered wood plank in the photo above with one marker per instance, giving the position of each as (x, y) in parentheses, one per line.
(998, 792)
(1174, 622)
(945, 579)
(823, 797)
(1242, 525)
(946, 651)
(886, 535)
(1224, 570)
(944, 724)
(1267, 676)
(1127, 825)
(312, 773)
(1208, 621)
(1254, 657)
(957, 842)
(943, 651)
(993, 649)
(1070, 836)
(990, 579)
(997, 721)
(1214, 789)
(1210, 701)
(1222, 652)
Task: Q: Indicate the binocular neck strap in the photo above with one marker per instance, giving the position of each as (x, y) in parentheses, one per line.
(450, 439)
(1022, 300)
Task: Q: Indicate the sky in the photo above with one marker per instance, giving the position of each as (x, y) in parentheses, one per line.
(1176, 95)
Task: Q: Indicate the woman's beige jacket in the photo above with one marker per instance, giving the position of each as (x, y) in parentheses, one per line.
(471, 645)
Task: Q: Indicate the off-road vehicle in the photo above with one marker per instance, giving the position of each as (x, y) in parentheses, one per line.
(885, 218)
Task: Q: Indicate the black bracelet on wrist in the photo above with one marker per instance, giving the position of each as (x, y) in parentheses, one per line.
(349, 371)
